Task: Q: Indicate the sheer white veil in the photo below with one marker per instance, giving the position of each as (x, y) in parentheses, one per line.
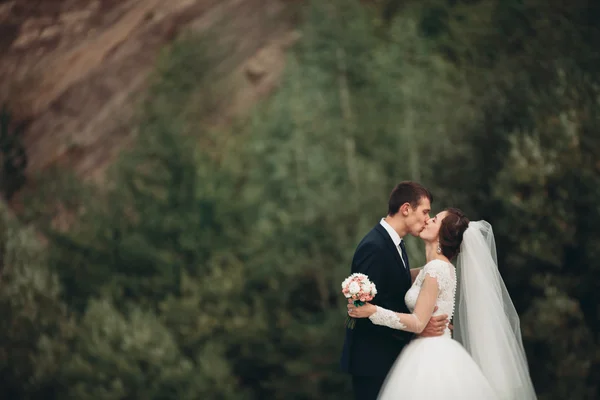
(487, 324)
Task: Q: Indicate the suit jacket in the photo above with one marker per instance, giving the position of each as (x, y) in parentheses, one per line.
(370, 350)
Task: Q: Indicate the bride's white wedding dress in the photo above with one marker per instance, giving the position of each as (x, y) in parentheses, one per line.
(485, 360)
(431, 368)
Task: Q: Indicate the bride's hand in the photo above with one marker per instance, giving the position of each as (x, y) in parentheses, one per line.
(364, 311)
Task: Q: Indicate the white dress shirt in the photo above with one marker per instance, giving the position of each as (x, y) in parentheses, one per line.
(395, 237)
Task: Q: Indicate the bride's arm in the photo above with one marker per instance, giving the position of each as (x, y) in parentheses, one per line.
(415, 322)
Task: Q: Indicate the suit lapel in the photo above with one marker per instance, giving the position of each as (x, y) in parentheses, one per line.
(390, 244)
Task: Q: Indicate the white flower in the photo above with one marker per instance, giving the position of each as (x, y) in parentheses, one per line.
(354, 288)
(346, 282)
(373, 289)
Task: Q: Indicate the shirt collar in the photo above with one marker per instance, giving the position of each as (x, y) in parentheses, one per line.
(391, 231)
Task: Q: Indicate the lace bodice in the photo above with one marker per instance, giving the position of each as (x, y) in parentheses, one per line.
(446, 278)
(441, 293)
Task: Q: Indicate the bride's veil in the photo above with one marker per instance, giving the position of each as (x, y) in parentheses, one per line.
(487, 324)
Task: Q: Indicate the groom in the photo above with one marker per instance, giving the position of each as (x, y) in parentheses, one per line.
(370, 350)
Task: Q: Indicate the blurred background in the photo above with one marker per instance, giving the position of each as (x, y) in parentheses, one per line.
(184, 182)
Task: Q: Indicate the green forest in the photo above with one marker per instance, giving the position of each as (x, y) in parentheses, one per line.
(208, 264)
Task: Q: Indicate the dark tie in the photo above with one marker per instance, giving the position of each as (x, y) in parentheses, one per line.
(404, 255)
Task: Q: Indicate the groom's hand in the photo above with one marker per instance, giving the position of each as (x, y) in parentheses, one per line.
(436, 325)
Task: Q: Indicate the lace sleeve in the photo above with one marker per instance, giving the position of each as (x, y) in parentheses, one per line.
(418, 320)
(439, 271)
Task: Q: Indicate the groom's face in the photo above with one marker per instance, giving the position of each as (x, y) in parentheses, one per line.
(417, 218)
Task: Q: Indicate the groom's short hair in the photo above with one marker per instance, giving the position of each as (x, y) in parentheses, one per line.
(407, 192)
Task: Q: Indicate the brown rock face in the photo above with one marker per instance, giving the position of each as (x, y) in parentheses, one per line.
(70, 68)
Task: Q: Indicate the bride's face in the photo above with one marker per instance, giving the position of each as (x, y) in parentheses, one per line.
(432, 228)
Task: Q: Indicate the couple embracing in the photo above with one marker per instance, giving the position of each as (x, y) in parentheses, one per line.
(402, 345)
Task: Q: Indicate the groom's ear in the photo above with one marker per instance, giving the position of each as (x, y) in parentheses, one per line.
(404, 208)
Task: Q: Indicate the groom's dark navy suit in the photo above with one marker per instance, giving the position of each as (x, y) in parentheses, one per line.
(370, 350)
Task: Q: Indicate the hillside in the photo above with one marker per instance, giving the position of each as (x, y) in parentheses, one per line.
(70, 69)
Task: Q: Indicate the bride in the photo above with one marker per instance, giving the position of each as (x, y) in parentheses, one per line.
(491, 362)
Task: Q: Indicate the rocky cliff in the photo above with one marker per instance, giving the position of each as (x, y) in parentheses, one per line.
(70, 68)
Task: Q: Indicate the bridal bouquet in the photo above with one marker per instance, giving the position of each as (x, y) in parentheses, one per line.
(360, 289)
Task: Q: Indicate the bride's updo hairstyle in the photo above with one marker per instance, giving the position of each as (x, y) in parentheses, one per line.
(452, 229)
